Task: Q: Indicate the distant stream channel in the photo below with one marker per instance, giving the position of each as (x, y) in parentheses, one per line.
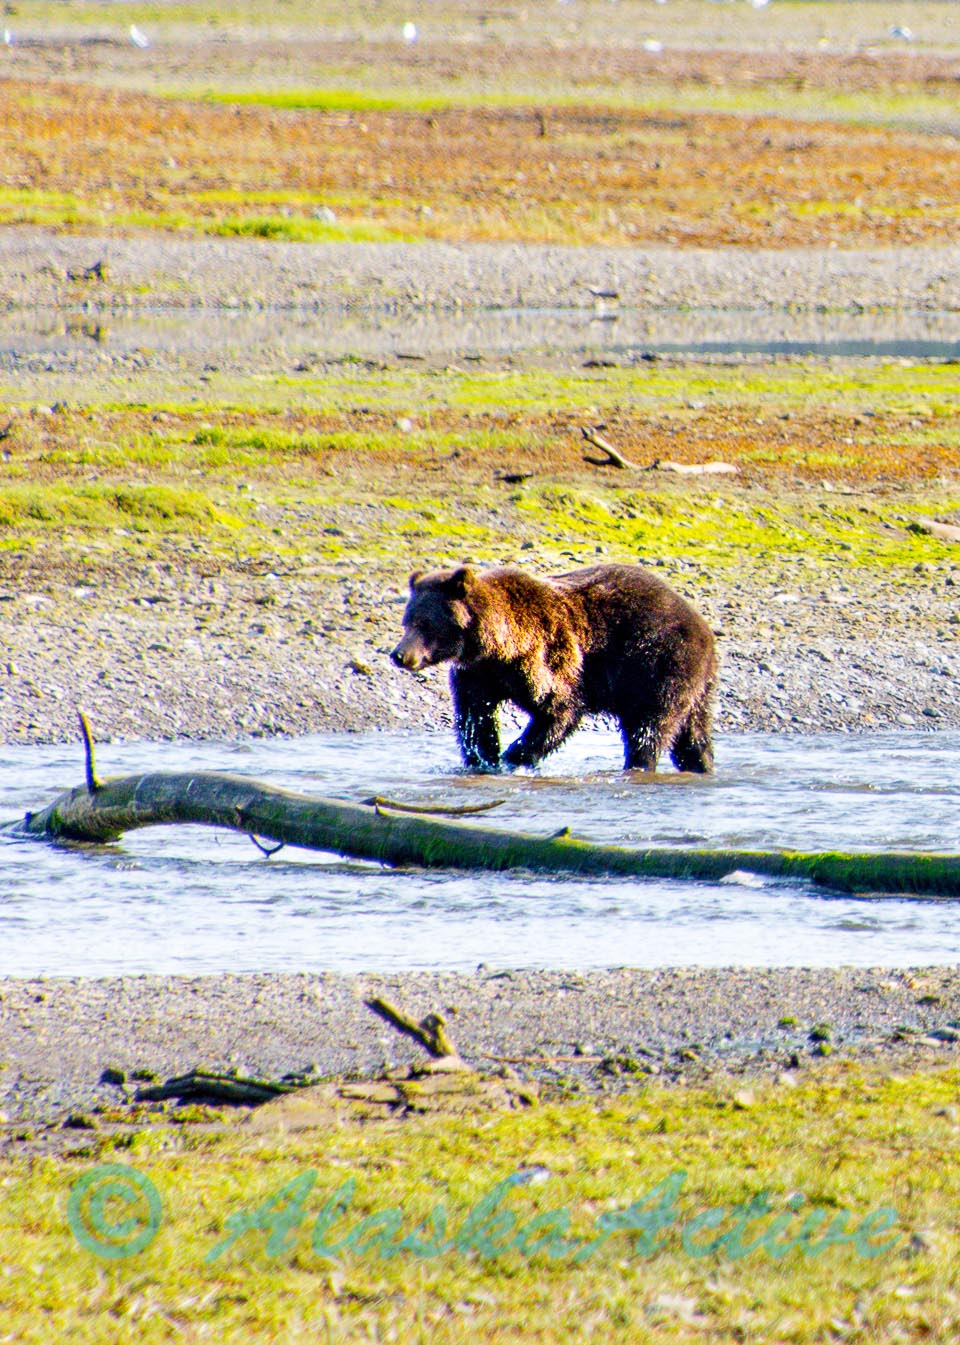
(606, 332)
(191, 900)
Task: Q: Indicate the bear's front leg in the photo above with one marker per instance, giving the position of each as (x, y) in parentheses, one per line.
(475, 719)
(547, 729)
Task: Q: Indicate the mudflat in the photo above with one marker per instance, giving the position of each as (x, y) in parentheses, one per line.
(217, 475)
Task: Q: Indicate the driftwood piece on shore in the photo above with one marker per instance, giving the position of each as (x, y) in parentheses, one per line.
(694, 468)
(305, 1103)
(430, 1032)
(932, 527)
(373, 833)
(203, 1085)
(614, 458)
(444, 1084)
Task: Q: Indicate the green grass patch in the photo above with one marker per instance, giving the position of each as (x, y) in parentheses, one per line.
(725, 531)
(332, 99)
(688, 1212)
(294, 457)
(924, 390)
(894, 386)
(142, 508)
(32, 206)
(522, 87)
(48, 209)
(303, 229)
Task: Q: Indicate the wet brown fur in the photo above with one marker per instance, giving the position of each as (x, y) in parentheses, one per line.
(610, 639)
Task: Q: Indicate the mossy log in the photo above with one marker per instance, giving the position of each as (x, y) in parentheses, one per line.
(371, 832)
(203, 1085)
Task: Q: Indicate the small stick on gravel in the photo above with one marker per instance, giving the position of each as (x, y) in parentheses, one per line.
(546, 1059)
(429, 1032)
(613, 458)
(513, 478)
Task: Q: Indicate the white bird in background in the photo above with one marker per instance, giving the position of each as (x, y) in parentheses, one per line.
(410, 33)
(8, 37)
(138, 38)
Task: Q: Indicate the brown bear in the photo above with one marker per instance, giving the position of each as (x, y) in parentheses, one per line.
(611, 639)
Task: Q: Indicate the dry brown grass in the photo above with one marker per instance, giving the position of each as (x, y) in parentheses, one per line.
(95, 158)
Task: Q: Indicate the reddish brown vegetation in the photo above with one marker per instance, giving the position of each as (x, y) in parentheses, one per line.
(574, 175)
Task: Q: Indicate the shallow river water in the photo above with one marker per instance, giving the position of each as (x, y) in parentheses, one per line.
(620, 334)
(192, 900)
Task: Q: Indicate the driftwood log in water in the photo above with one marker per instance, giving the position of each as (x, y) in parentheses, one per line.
(372, 832)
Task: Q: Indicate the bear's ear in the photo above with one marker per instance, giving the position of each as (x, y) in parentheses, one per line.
(415, 579)
(460, 582)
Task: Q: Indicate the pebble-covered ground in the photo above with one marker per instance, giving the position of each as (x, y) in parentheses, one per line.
(600, 1030)
(157, 653)
(187, 647)
(38, 268)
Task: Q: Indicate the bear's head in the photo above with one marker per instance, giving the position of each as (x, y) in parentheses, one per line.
(436, 619)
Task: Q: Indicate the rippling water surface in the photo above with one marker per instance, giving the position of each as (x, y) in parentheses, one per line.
(192, 900)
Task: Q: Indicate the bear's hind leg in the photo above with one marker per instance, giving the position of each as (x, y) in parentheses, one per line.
(643, 743)
(692, 748)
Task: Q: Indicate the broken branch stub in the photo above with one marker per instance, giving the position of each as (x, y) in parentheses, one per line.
(614, 458)
(430, 1032)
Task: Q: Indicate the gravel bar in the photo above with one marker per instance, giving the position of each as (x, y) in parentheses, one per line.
(44, 269)
(592, 1029)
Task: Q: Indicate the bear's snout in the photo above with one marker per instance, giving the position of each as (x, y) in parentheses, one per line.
(405, 657)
